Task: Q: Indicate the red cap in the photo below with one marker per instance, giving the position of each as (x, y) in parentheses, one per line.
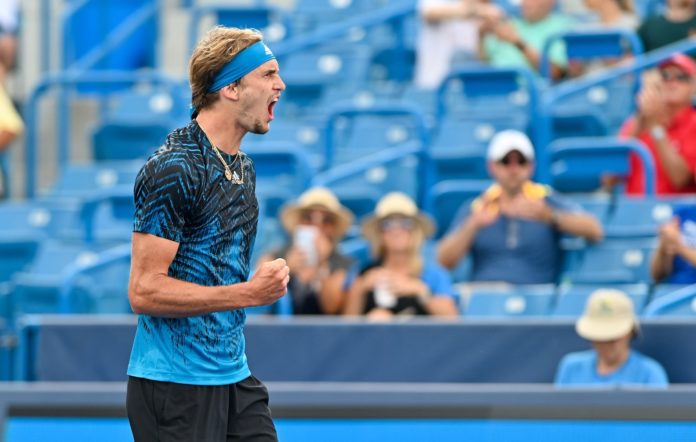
(683, 62)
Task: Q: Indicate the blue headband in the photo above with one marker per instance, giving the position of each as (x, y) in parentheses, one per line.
(242, 63)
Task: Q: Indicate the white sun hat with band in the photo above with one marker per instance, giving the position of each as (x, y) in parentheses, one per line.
(608, 315)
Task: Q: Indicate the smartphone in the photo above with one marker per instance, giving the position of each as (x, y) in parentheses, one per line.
(305, 239)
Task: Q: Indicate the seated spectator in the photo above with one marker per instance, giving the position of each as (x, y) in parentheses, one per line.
(11, 127)
(400, 281)
(666, 122)
(676, 23)
(519, 42)
(315, 224)
(609, 322)
(613, 13)
(513, 230)
(9, 31)
(674, 260)
(448, 28)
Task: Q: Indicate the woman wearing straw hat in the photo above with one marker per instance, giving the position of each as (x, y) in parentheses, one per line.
(609, 322)
(400, 281)
(316, 223)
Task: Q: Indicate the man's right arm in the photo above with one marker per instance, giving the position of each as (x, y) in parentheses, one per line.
(457, 244)
(151, 291)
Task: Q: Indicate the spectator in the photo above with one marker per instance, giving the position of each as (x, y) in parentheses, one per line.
(11, 126)
(666, 122)
(9, 27)
(513, 230)
(400, 281)
(674, 261)
(613, 13)
(315, 223)
(448, 27)
(519, 42)
(609, 322)
(677, 23)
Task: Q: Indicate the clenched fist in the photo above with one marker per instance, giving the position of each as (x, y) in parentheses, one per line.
(270, 282)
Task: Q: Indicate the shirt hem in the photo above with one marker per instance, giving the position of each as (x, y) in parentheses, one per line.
(159, 376)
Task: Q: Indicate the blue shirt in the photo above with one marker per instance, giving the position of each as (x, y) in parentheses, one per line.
(516, 251)
(682, 271)
(181, 194)
(580, 369)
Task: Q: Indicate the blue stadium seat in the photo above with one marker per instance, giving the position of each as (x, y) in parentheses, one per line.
(572, 299)
(449, 196)
(310, 73)
(459, 145)
(79, 180)
(36, 290)
(89, 24)
(128, 140)
(510, 301)
(578, 164)
(614, 262)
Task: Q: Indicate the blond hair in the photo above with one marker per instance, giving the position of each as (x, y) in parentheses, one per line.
(215, 50)
(379, 251)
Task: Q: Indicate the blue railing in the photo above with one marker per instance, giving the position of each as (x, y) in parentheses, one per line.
(62, 82)
(544, 123)
(665, 303)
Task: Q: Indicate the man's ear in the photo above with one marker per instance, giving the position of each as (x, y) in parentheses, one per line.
(231, 91)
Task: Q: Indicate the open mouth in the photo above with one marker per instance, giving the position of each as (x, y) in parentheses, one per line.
(271, 107)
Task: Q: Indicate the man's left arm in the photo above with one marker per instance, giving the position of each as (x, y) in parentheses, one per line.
(675, 164)
(572, 221)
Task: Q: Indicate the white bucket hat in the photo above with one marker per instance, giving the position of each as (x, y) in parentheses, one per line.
(608, 315)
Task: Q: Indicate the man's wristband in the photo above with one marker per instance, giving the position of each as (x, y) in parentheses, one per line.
(519, 44)
(658, 133)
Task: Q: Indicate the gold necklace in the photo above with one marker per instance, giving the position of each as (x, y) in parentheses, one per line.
(229, 174)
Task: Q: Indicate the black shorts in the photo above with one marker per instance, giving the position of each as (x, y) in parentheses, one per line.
(166, 411)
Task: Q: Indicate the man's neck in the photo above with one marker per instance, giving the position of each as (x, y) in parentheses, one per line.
(221, 132)
(680, 14)
(605, 367)
(609, 12)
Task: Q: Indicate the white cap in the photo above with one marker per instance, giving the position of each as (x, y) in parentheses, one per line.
(506, 141)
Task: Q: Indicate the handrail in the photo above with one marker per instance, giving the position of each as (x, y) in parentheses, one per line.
(659, 305)
(426, 165)
(67, 79)
(609, 145)
(362, 164)
(636, 45)
(74, 270)
(327, 33)
(544, 123)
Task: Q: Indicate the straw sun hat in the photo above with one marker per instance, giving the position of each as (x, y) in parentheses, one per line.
(317, 198)
(396, 203)
(608, 315)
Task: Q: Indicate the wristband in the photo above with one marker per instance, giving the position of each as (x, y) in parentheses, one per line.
(520, 45)
(658, 133)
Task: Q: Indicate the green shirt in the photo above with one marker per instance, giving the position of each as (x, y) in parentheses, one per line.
(657, 31)
(503, 54)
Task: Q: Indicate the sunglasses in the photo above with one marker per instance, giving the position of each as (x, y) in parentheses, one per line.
(317, 217)
(397, 223)
(681, 77)
(520, 161)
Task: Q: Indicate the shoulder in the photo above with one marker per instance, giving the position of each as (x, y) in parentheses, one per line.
(578, 359)
(647, 362)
